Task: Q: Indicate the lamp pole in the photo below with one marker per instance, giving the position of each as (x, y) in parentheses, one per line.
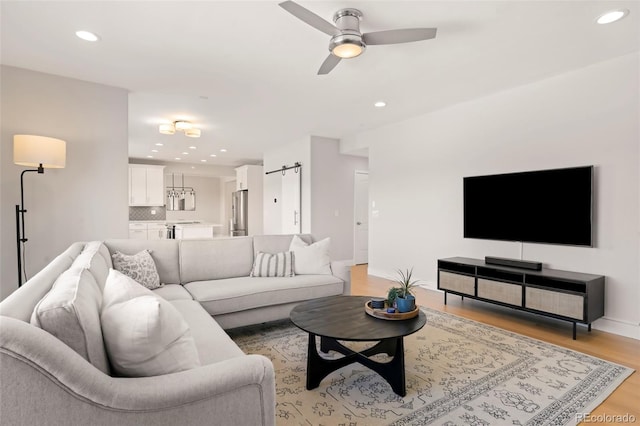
(20, 211)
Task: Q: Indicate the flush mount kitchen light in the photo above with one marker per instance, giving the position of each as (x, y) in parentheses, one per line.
(380, 104)
(192, 133)
(612, 16)
(159, 144)
(185, 153)
(223, 150)
(154, 150)
(213, 155)
(192, 147)
(178, 158)
(149, 156)
(180, 125)
(204, 161)
(87, 35)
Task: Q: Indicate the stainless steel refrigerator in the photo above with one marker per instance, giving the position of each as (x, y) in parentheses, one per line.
(239, 204)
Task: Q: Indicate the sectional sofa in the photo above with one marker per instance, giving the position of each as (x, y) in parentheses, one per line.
(45, 381)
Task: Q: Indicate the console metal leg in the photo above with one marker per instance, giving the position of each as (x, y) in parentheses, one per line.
(574, 331)
(589, 328)
(445, 297)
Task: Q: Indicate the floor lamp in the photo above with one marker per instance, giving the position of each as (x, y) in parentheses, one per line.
(33, 151)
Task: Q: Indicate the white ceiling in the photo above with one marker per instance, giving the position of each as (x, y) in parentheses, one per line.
(245, 71)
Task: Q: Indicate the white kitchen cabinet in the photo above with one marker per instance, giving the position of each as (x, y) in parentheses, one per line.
(248, 177)
(146, 185)
(156, 231)
(147, 231)
(138, 231)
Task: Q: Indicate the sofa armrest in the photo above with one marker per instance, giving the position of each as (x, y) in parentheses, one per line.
(46, 382)
(342, 270)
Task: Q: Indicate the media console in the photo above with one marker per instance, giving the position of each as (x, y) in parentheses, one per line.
(569, 296)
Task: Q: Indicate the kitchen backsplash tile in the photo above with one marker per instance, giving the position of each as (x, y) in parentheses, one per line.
(145, 213)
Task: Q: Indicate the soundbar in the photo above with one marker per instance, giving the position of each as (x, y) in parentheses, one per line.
(514, 263)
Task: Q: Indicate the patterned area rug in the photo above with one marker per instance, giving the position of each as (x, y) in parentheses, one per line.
(458, 372)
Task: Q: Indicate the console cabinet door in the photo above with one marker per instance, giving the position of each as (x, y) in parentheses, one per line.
(456, 282)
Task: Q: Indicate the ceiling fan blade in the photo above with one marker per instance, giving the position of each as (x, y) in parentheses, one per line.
(399, 36)
(309, 17)
(329, 64)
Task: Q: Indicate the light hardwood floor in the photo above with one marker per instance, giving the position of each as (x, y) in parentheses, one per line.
(611, 347)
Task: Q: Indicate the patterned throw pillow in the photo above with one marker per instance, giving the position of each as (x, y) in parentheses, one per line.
(273, 265)
(140, 267)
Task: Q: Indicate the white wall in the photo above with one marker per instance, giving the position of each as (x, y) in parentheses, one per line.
(209, 198)
(332, 189)
(589, 116)
(87, 200)
(327, 185)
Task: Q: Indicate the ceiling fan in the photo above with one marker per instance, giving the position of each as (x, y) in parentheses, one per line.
(346, 39)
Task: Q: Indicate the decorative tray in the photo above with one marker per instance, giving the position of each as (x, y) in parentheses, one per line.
(383, 314)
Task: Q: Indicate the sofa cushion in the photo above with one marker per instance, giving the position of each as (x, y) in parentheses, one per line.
(163, 252)
(215, 259)
(239, 294)
(140, 267)
(144, 334)
(71, 312)
(276, 243)
(311, 258)
(96, 258)
(173, 292)
(212, 342)
(273, 265)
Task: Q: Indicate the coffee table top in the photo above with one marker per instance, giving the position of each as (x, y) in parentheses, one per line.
(344, 318)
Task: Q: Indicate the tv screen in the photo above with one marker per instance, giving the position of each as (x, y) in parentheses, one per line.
(546, 206)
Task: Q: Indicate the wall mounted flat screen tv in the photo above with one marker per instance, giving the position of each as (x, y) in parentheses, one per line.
(545, 206)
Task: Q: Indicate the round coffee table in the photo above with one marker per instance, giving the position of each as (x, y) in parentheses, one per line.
(344, 318)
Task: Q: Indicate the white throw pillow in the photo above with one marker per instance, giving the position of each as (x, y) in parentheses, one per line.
(71, 312)
(140, 267)
(273, 265)
(144, 334)
(311, 259)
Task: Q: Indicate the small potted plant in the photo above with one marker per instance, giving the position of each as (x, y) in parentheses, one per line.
(401, 295)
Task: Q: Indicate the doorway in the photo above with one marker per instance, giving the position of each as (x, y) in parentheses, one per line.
(361, 218)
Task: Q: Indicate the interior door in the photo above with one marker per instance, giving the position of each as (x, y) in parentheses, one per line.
(290, 202)
(361, 218)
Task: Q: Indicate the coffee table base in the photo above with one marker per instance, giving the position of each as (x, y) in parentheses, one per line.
(393, 371)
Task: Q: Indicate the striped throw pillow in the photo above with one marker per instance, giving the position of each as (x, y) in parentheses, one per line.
(273, 265)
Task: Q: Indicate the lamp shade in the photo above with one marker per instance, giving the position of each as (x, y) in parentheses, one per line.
(31, 151)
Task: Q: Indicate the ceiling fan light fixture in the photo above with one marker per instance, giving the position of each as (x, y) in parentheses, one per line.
(167, 129)
(347, 46)
(192, 133)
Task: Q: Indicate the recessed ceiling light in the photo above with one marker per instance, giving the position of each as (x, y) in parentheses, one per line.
(178, 158)
(149, 156)
(204, 161)
(193, 167)
(154, 150)
(213, 155)
(223, 150)
(159, 144)
(192, 147)
(380, 104)
(87, 35)
(612, 16)
(185, 153)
